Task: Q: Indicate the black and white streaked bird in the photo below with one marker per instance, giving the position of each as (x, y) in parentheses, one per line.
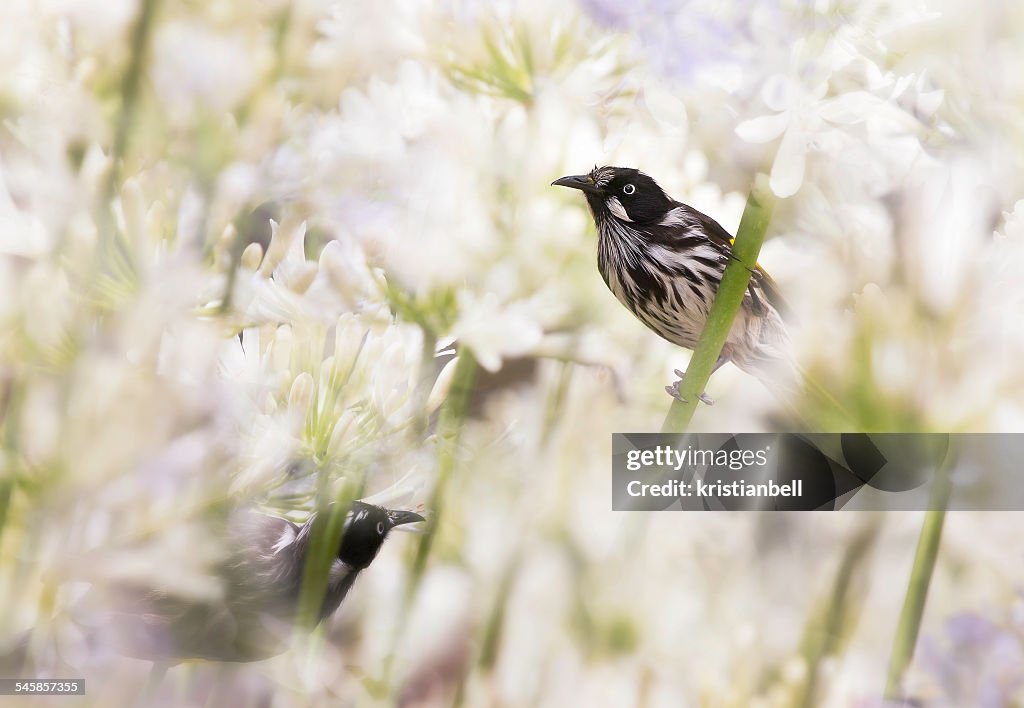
(664, 261)
(261, 580)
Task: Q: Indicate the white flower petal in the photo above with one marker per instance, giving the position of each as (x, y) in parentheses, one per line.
(788, 171)
(441, 387)
(849, 108)
(495, 330)
(928, 102)
(764, 128)
(665, 106)
(780, 92)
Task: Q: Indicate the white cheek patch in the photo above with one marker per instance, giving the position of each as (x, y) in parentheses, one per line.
(617, 210)
(339, 570)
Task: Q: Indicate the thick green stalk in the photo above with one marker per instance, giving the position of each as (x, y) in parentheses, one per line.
(920, 578)
(323, 548)
(749, 237)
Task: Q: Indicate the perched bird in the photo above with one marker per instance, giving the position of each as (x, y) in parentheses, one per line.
(261, 580)
(664, 261)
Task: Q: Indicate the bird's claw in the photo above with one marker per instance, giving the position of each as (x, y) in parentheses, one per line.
(673, 391)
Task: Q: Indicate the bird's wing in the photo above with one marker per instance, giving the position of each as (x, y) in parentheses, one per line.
(157, 626)
(759, 281)
(148, 624)
(262, 572)
(250, 619)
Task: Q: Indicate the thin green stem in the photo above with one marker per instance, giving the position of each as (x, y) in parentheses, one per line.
(921, 572)
(425, 382)
(112, 250)
(131, 84)
(827, 629)
(11, 398)
(746, 247)
(449, 427)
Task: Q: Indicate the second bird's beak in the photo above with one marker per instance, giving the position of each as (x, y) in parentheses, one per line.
(398, 518)
(581, 182)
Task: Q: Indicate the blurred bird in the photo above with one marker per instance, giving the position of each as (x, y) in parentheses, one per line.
(664, 261)
(261, 580)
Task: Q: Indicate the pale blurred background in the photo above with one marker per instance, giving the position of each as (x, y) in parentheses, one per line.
(241, 241)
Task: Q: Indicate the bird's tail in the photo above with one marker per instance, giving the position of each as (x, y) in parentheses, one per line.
(761, 347)
(795, 388)
(765, 351)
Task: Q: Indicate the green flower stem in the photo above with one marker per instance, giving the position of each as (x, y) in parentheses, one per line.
(449, 427)
(131, 84)
(749, 237)
(829, 628)
(323, 547)
(11, 396)
(428, 353)
(112, 251)
(920, 578)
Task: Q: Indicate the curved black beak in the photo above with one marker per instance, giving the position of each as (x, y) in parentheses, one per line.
(397, 517)
(582, 182)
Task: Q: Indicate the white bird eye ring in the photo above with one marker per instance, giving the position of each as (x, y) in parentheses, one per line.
(629, 189)
(380, 528)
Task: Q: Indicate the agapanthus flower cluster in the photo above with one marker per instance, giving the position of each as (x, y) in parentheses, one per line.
(249, 275)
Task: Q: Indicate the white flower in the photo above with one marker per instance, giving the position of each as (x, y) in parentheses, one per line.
(193, 66)
(283, 286)
(807, 121)
(21, 233)
(378, 122)
(495, 331)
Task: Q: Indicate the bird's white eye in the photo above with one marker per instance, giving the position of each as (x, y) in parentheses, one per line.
(629, 189)
(380, 528)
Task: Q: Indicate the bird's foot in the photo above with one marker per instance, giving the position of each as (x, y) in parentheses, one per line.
(673, 391)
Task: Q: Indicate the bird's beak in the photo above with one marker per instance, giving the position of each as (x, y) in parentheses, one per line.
(581, 182)
(398, 518)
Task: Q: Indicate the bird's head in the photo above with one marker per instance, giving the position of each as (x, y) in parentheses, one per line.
(365, 530)
(622, 193)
